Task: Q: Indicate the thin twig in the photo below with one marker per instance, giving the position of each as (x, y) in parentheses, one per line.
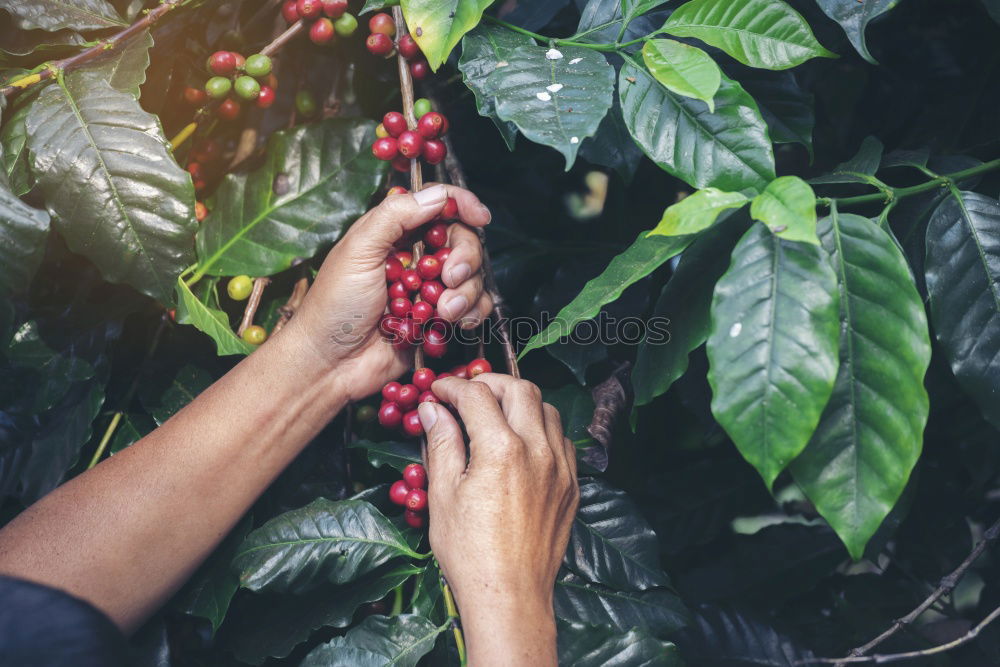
(278, 42)
(456, 622)
(253, 303)
(286, 312)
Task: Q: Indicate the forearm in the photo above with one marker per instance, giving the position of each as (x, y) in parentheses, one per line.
(126, 534)
(506, 631)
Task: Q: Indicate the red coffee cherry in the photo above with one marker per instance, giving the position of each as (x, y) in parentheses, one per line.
(397, 190)
(409, 333)
(309, 9)
(266, 97)
(434, 151)
(410, 144)
(398, 290)
(334, 8)
(478, 367)
(460, 371)
(382, 23)
(419, 69)
(416, 499)
(389, 326)
(390, 391)
(421, 312)
(415, 476)
(290, 11)
(400, 307)
(423, 378)
(401, 164)
(415, 519)
(450, 210)
(430, 125)
(394, 123)
(412, 427)
(436, 236)
(435, 344)
(207, 151)
(409, 395)
(222, 63)
(408, 47)
(429, 397)
(429, 267)
(240, 60)
(393, 269)
(194, 168)
(390, 416)
(445, 374)
(379, 44)
(200, 211)
(442, 255)
(398, 492)
(322, 32)
(411, 280)
(195, 96)
(431, 291)
(229, 109)
(406, 257)
(385, 148)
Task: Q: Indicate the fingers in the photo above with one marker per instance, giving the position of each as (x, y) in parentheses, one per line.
(471, 211)
(489, 432)
(465, 258)
(455, 303)
(521, 402)
(445, 445)
(475, 316)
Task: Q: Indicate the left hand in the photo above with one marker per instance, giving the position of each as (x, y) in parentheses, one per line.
(338, 321)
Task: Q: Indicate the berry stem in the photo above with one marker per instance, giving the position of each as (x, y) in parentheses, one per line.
(456, 622)
(294, 301)
(110, 431)
(253, 303)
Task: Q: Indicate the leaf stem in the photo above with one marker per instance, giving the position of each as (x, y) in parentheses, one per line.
(893, 194)
(110, 431)
(452, 609)
(397, 602)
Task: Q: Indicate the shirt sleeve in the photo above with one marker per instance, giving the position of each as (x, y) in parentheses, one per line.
(44, 627)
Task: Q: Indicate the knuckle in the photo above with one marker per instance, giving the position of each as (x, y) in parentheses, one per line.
(528, 390)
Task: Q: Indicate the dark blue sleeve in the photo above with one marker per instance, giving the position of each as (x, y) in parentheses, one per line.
(45, 627)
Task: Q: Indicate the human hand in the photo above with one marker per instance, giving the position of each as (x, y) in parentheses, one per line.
(338, 321)
(499, 525)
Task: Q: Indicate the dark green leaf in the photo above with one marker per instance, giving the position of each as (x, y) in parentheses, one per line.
(719, 637)
(589, 646)
(23, 231)
(604, 20)
(379, 641)
(869, 437)
(324, 541)
(16, 161)
(56, 370)
(578, 357)
(317, 179)
(427, 594)
(52, 15)
(786, 107)
(438, 26)
(612, 146)
(482, 50)
(114, 190)
(728, 149)
(132, 428)
(658, 611)
(394, 454)
(854, 17)
(773, 347)
(859, 169)
(125, 68)
(375, 5)
(555, 97)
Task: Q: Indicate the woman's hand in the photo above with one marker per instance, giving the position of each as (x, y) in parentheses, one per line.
(338, 321)
(499, 525)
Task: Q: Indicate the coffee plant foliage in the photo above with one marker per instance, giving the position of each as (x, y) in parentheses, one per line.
(804, 192)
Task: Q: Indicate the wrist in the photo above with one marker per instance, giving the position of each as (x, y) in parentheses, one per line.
(297, 368)
(501, 630)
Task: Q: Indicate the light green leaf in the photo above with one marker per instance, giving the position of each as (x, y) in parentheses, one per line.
(438, 25)
(211, 321)
(697, 212)
(788, 207)
(684, 69)
(760, 33)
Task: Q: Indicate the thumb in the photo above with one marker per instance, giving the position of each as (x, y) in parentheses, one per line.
(378, 230)
(445, 446)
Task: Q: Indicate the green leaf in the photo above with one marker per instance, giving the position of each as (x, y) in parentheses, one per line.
(604, 21)
(316, 180)
(555, 97)
(788, 207)
(482, 50)
(57, 370)
(697, 212)
(854, 18)
(124, 69)
(786, 107)
(396, 455)
(583, 645)
(379, 641)
(760, 33)
(210, 321)
(728, 149)
(23, 231)
(773, 347)
(659, 612)
(438, 26)
(683, 311)
(683, 69)
(132, 428)
(869, 437)
(52, 15)
(612, 145)
(15, 158)
(375, 5)
(963, 281)
(324, 541)
(114, 190)
(859, 169)
(638, 261)
(611, 543)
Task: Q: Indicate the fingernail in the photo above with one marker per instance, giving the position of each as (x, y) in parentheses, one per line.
(431, 196)
(455, 306)
(459, 274)
(428, 415)
(489, 216)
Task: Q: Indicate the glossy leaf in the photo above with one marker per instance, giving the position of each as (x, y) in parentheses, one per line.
(15, 158)
(56, 369)
(612, 146)
(52, 15)
(963, 280)
(583, 645)
(641, 258)
(438, 26)
(760, 33)
(23, 231)
(394, 454)
(854, 18)
(860, 168)
(659, 611)
(555, 97)
(697, 212)
(788, 207)
(316, 180)
(786, 106)
(611, 543)
(869, 437)
(482, 50)
(605, 21)
(324, 541)
(728, 149)
(211, 321)
(718, 637)
(683, 69)
(773, 347)
(114, 190)
(124, 69)
(379, 641)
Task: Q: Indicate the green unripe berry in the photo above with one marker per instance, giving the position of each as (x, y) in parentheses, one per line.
(239, 287)
(346, 25)
(305, 103)
(365, 414)
(218, 87)
(258, 65)
(247, 87)
(254, 334)
(422, 106)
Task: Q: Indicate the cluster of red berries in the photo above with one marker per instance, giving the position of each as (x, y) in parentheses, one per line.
(234, 76)
(397, 143)
(400, 401)
(379, 43)
(203, 159)
(411, 493)
(329, 18)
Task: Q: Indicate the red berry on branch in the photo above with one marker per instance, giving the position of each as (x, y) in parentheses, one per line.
(290, 11)
(222, 63)
(385, 148)
(389, 326)
(409, 395)
(397, 190)
(419, 69)
(229, 109)
(393, 269)
(478, 367)
(429, 267)
(450, 210)
(266, 97)
(421, 312)
(431, 291)
(382, 23)
(408, 47)
(195, 96)
(401, 164)
(390, 391)
(400, 307)
(435, 344)
(322, 32)
(309, 9)
(394, 123)
(430, 125)
(415, 476)
(429, 397)
(200, 211)
(194, 168)
(445, 374)
(406, 257)
(410, 144)
(398, 290)
(460, 371)
(200, 186)
(411, 280)
(436, 236)
(409, 333)
(390, 416)
(379, 44)
(423, 378)
(416, 499)
(435, 151)
(240, 60)
(334, 8)
(412, 426)
(442, 255)
(398, 492)
(415, 519)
